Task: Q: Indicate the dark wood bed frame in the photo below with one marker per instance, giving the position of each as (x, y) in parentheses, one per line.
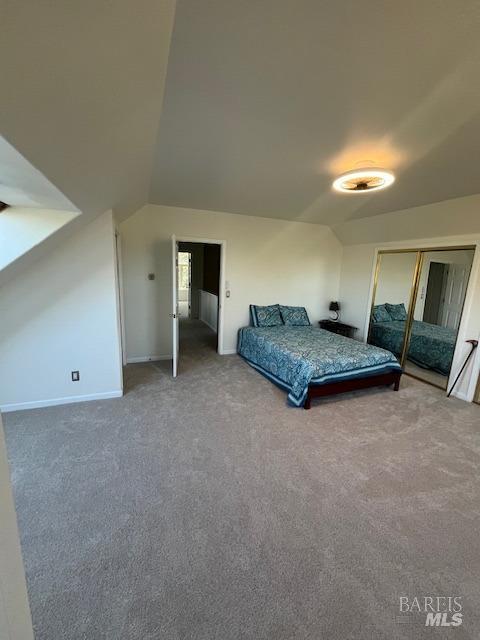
(385, 379)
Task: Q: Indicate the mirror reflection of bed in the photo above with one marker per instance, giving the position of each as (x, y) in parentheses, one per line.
(424, 291)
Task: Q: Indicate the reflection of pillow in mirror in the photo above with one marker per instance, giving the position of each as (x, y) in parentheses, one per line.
(380, 314)
(396, 311)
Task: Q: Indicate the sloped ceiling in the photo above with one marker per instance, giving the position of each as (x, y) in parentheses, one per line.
(82, 89)
(266, 102)
(22, 185)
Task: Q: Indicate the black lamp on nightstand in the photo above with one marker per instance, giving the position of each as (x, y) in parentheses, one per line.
(334, 306)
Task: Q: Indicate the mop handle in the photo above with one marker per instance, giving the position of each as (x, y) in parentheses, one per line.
(474, 345)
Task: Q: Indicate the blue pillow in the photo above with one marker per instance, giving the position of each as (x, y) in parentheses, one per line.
(396, 311)
(265, 316)
(380, 314)
(295, 316)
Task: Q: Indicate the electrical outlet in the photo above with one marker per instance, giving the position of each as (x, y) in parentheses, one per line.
(75, 376)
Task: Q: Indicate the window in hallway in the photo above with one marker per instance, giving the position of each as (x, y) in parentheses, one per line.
(184, 283)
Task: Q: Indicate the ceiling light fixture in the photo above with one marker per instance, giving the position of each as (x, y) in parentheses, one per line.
(364, 180)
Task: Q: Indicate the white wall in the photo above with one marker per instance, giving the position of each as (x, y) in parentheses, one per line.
(23, 228)
(61, 316)
(267, 261)
(209, 309)
(15, 620)
(456, 217)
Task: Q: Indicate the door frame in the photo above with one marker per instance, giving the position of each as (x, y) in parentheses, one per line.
(221, 291)
(120, 295)
(174, 308)
(476, 396)
(440, 290)
(452, 273)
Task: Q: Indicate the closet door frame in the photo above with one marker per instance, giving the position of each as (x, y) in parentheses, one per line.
(413, 295)
(476, 397)
(412, 298)
(411, 305)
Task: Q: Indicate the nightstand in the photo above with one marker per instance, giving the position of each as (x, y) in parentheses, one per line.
(341, 328)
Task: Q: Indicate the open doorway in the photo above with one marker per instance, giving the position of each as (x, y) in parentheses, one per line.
(198, 295)
(435, 292)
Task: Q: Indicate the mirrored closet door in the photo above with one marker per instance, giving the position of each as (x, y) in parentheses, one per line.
(417, 308)
(438, 310)
(394, 280)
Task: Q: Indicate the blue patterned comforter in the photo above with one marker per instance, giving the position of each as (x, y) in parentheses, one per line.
(431, 346)
(295, 357)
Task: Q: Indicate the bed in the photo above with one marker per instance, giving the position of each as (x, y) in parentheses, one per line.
(310, 362)
(431, 346)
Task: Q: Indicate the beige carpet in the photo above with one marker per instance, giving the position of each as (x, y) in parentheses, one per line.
(205, 508)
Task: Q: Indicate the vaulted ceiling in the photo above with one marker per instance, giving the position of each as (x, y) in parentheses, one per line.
(81, 94)
(267, 101)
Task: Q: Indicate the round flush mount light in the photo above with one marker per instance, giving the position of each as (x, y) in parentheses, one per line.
(364, 180)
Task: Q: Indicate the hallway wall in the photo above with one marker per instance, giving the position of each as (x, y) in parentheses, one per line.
(211, 269)
(209, 309)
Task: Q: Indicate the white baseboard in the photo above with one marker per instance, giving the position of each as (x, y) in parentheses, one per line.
(460, 395)
(210, 326)
(228, 352)
(136, 359)
(38, 404)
